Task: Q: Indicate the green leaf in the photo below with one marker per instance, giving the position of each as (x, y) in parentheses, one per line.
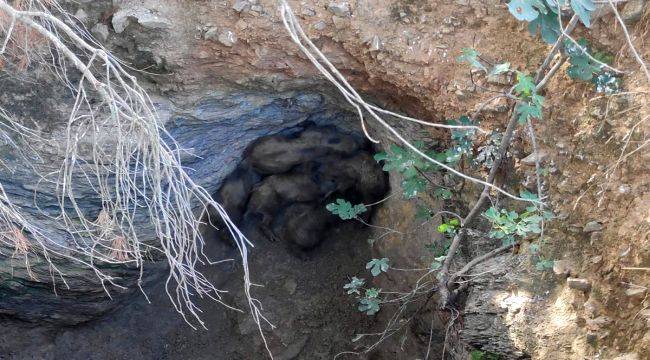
(449, 227)
(527, 10)
(528, 110)
(435, 265)
(377, 266)
(525, 85)
(492, 214)
(500, 69)
(345, 210)
(582, 68)
(523, 10)
(583, 9)
(372, 293)
(508, 240)
(413, 186)
(354, 285)
(462, 142)
(471, 56)
(442, 193)
(548, 27)
(380, 156)
(527, 195)
(544, 265)
(369, 305)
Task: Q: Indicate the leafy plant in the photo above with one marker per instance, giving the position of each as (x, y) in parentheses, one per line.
(506, 225)
(408, 163)
(526, 10)
(544, 264)
(531, 102)
(547, 25)
(463, 140)
(525, 85)
(370, 303)
(583, 9)
(413, 186)
(450, 227)
(581, 66)
(471, 56)
(484, 355)
(442, 193)
(531, 10)
(354, 285)
(499, 69)
(345, 210)
(377, 266)
(530, 109)
(541, 263)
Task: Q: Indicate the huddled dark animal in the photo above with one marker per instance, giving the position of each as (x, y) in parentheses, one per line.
(280, 190)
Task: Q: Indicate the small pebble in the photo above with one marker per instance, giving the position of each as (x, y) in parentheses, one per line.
(227, 38)
(592, 226)
(579, 284)
(339, 8)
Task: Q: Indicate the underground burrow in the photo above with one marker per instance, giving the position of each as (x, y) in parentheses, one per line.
(303, 254)
(280, 190)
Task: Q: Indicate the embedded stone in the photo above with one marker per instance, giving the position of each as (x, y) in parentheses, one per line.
(321, 25)
(143, 16)
(563, 267)
(635, 292)
(227, 38)
(100, 31)
(240, 5)
(530, 159)
(579, 284)
(633, 10)
(341, 8)
(592, 226)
